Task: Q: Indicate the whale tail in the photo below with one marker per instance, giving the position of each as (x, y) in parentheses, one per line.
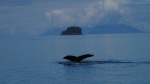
(77, 59)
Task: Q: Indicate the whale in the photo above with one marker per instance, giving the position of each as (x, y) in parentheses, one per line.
(77, 59)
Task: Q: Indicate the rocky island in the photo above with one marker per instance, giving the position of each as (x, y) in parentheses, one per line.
(73, 30)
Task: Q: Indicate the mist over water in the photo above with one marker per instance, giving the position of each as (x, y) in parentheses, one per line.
(118, 59)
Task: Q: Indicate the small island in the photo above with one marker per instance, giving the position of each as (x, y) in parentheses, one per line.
(72, 30)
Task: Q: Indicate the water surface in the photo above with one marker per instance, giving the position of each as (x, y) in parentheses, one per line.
(118, 59)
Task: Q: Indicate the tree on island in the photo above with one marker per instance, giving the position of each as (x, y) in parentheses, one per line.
(72, 30)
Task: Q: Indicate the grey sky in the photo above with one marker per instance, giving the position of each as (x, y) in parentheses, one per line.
(33, 17)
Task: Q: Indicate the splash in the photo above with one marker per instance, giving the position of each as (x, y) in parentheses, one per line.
(67, 63)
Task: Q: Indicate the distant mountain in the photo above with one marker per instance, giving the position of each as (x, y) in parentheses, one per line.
(111, 29)
(100, 29)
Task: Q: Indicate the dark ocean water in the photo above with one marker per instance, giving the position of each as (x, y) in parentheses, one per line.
(118, 59)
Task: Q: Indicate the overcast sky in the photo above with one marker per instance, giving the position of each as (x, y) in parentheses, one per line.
(33, 17)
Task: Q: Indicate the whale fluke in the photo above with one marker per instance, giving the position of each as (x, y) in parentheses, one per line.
(77, 59)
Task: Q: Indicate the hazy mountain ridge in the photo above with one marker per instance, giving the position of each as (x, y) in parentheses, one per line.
(100, 29)
(112, 29)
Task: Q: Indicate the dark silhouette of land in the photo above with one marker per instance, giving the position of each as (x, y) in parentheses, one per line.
(77, 59)
(73, 30)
